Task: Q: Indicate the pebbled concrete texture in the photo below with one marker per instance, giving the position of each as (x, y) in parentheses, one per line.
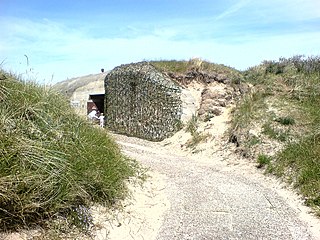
(211, 200)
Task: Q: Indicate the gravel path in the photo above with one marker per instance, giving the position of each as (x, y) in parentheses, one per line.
(211, 199)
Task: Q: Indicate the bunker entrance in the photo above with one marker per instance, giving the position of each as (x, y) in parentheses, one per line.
(96, 101)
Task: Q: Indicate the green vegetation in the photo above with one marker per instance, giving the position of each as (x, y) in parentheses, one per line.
(274, 133)
(192, 127)
(172, 66)
(263, 160)
(248, 109)
(284, 104)
(285, 120)
(299, 163)
(53, 164)
(69, 86)
(183, 67)
(254, 140)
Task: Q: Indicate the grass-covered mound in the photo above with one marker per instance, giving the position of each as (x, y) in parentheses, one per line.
(284, 109)
(199, 65)
(52, 161)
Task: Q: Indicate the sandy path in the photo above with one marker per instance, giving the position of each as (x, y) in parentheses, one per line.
(200, 196)
(211, 197)
(141, 217)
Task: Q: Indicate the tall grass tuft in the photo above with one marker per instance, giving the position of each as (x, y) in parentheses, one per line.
(52, 161)
(300, 163)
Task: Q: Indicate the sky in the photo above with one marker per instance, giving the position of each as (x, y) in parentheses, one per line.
(50, 41)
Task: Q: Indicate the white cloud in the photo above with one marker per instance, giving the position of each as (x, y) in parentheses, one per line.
(54, 49)
(237, 6)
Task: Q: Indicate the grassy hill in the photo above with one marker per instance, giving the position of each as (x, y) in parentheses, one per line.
(92, 82)
(278, 122)
(53, 164)
(197, 65)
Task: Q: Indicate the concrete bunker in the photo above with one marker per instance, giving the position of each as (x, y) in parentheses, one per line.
(142, 102)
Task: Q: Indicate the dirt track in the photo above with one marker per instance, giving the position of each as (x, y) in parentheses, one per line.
(214, 197)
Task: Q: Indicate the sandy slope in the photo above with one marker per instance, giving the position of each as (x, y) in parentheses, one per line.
(142, 216)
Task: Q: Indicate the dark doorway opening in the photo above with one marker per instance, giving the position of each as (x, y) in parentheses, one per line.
(96, 101)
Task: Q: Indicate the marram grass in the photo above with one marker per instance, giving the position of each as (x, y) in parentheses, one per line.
(52, 161)
(294, 81)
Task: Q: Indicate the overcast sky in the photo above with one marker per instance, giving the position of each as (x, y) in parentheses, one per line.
(56, 40)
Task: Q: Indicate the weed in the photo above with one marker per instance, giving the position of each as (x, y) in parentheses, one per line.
(248, 109)
(263, 160)
(178, 125)
(192, 125)
(253, 141)
(196, 139)
(285, 120)
(274, 133)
